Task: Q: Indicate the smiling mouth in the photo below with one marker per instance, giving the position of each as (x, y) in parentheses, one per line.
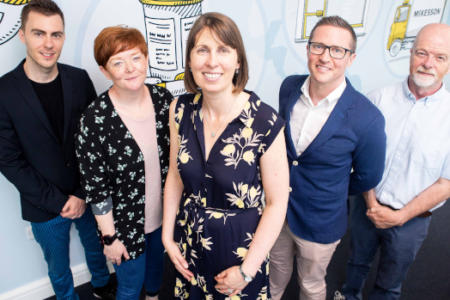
(48, 55)
(212, 76)
(322, 68)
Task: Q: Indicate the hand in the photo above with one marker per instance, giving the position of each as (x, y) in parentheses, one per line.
(115, 252)
(178, 260)
(74, 208)
(230, 279)
(384, 217)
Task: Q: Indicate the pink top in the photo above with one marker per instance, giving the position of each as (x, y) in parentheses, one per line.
(144, 133)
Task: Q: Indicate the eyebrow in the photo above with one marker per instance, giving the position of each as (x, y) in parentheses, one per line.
(43, 31)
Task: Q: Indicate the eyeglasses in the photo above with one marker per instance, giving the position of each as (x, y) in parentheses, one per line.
(335, 51)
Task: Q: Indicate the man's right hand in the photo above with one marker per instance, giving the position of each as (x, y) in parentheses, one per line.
(74, 208)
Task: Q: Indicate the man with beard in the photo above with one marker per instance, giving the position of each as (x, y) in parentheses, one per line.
(396, 214)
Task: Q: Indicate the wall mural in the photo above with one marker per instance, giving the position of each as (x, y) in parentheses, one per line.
(167, 25)
(404, 22)
(311, 11)
(10, 18)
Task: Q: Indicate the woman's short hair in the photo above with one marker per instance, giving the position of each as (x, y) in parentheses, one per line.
(228, 33)
(115, 39)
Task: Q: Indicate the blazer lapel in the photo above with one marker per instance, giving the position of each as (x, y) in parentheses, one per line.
(293, 97)
(30, 97)
(67, 87)
(337, 117)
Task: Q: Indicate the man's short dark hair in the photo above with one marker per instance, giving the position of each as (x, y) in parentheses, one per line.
(45, 7)
(336, 21)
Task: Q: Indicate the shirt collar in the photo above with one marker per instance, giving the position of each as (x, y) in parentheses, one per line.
(330, 99)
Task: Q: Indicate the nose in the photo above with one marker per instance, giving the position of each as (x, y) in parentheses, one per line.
(325, 56)
(212, 59)
(429, 61)
(48, 42)
(129, 66)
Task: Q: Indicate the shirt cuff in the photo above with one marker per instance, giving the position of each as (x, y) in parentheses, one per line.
(102, 208)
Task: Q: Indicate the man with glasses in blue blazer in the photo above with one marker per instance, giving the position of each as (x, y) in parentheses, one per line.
(336, 146)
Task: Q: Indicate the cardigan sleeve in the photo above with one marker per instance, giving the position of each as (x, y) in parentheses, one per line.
(91, 158)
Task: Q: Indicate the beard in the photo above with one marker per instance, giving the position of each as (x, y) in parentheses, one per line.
(423, 81)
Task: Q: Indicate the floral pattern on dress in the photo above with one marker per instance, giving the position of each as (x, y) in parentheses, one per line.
(223, 198)
(112, 165)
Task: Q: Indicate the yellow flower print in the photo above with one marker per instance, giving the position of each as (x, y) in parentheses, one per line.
(247, 105)
(206, 243)
(247, 132)
(183, 154)
(203, 201)
(179, 114)
(249, 157)
(253, 193)
(184, 157)
(244, 188)
(219, 215)
(239, 203)
(196, 98)
(193, 281)
(228, 150)
(249, 122)
(241, 252)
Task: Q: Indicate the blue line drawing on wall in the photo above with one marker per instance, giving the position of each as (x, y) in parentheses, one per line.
(10, 18)
(409, 17)
(311, 11)
(167, 25)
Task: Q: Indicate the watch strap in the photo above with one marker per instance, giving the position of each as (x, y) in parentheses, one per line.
(247, 278)
(109, 239)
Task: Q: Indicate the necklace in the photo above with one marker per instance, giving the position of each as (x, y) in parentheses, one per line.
(221, 124)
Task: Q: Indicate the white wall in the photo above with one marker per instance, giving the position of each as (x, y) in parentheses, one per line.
(269, 30)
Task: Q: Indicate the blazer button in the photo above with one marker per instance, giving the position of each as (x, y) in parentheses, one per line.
(68, 164)
(295, 163)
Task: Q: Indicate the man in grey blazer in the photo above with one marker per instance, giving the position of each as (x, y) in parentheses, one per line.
(40, 106)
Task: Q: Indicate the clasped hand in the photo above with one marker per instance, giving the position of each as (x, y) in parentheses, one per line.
(115, 252)
(384, 217)
(229, 282)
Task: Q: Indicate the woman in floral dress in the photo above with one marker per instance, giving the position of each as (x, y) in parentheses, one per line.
(226, 192)
(123, 151)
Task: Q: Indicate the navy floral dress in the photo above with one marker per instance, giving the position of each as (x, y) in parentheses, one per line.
(223, 199)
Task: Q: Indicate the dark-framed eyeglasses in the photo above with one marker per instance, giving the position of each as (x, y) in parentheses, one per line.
(336, 52)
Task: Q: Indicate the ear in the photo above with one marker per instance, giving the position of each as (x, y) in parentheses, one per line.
(351, 59)
(105, 72)
(22, 35)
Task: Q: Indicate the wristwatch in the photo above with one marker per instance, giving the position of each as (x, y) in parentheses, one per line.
(108, 239)
(247, 278)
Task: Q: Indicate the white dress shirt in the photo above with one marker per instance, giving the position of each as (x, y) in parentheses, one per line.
(418, 142)
(308, 119)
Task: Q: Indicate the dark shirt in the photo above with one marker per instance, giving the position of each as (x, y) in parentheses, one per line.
(51, 97)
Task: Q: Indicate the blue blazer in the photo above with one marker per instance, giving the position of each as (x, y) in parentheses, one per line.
(321, 177)
(43, 170)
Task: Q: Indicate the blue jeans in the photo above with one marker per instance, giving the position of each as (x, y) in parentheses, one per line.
(146, 269)
(54, 236)
(398, 248)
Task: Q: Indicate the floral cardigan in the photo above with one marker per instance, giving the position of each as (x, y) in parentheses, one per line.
(112, 165)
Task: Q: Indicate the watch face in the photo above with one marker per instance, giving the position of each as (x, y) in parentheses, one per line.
(108, 240)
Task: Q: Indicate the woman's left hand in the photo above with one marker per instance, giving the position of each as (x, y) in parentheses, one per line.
(230, 281)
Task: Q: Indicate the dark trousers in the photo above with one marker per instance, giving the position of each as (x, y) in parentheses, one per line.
(398, 248)
(54, 237)
(146, 269)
